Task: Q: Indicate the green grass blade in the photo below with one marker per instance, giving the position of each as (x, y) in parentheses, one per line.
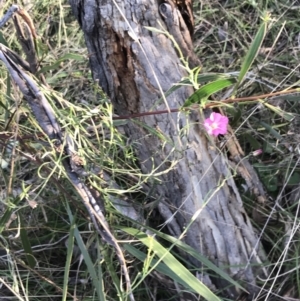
(186, 277)
(70, 250)
(3, 40)
(26, 245)
(285, 115)
(268, 127)
(5, 217)
(208, 77)
(159, 266)
(253, 51)
(113, 273)
(186, 248)
(189, 250)
(12, 203)
(97, 283)
(56, 65)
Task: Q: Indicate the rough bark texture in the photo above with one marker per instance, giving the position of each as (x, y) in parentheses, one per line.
(134, 65)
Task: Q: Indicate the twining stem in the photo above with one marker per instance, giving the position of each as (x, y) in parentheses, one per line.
(208, 105)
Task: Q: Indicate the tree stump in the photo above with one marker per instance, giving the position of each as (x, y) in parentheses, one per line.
(134, 66)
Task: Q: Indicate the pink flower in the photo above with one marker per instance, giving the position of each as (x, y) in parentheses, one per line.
(216, 124)
(257, 152)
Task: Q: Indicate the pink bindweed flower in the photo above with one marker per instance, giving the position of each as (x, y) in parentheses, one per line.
(257, 152)
(216, 124)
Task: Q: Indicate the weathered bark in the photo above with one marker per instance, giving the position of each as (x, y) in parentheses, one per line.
(134, 65)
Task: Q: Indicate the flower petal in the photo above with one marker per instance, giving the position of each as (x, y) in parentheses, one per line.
(216, 124)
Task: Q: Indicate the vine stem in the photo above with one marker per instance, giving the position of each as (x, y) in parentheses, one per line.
(211, 104)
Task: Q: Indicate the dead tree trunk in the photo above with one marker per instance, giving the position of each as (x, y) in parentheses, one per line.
(134, 66)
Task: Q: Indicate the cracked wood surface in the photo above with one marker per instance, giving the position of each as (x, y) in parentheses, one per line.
(134, 66)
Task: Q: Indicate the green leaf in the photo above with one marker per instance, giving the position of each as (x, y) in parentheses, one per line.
(268, 148)
(208, 77)
(268, 127)
(253, 51)
(292, 97)
(250, 138)
(11, 204)
(201, 95)
(26, 245)
(287, 116)
(3, 40)
(271, 130)
(270, 182)
(268, 174)
(294, 179)
(56, 78)
(159, 266)
(69, 256)
(40, 47)
(186, 277)
(56, 65)
(98, 283)
(202, 78)
(189, 250)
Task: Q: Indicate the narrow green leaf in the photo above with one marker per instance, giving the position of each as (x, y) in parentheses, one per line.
(202, 78)
(113, 272)
(207, 90)
(287, 116)
(153, 131)
(292, 97)
(11, 204)
(208, 77)
(253, 51)
(294, 179)
(56, 65)
(159, 266)
(97, 283)
(2, 105)
(70, 250)
(56, 78)
(26, 245)
(189, 250)
(187, 278)
(3, 40)
(205, 78)
(268, 128)
(251, 139)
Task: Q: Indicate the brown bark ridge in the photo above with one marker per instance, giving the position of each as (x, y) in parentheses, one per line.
(134, 66)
